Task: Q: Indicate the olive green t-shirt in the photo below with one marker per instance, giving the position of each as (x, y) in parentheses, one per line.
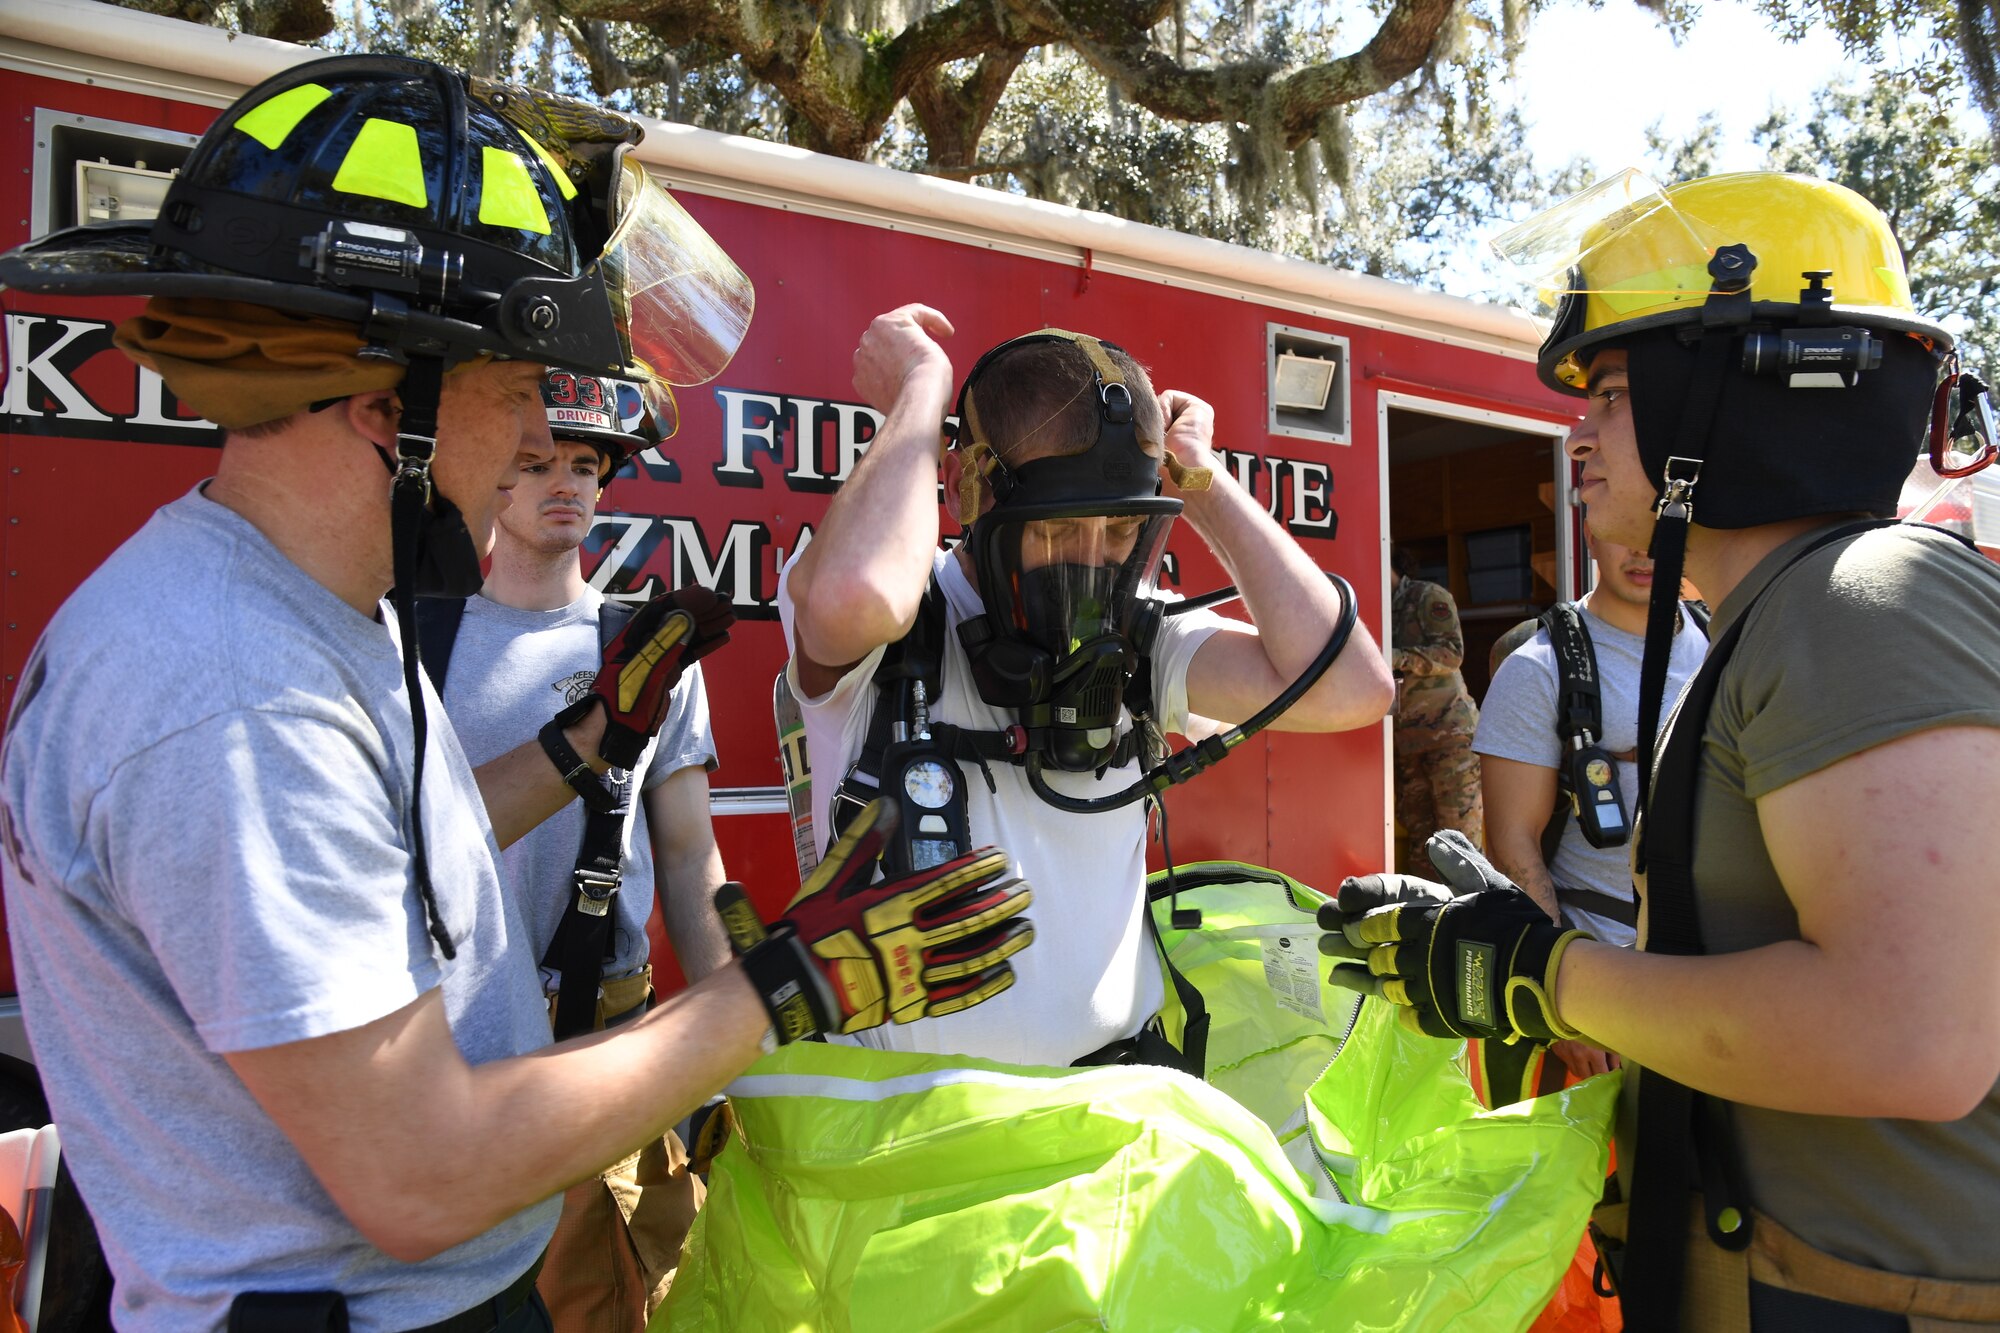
(1866, 640)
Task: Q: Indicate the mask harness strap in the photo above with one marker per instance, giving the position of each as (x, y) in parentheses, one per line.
(409, 502)
(1680, 1126)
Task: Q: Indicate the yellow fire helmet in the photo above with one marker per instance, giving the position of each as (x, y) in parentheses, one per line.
(1626, 255)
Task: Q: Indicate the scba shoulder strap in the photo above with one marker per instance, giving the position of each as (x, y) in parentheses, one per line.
(585, 937)
(1579, 706)
(1685, 1138)
(1579, 702)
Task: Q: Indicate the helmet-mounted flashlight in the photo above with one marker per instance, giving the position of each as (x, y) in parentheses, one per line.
(1844, 352)
(370, 257)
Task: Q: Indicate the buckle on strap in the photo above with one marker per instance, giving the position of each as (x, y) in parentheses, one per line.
(414, 469)
(1676, 502)
(846, 805)
(595, 888)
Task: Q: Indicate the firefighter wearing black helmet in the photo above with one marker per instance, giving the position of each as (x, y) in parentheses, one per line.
(290, 1027)
(1811, 1132)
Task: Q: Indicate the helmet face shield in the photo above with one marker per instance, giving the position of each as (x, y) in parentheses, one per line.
(681, 306)
(1552, 248)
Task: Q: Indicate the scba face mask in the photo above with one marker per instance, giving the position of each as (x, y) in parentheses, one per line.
(1068, 562)
(1070, 614)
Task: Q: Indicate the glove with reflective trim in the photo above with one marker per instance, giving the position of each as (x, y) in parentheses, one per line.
(1472, 957)
(644, 662)
(849, 955)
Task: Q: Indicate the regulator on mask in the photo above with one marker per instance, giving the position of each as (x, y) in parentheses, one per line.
(1068, 560)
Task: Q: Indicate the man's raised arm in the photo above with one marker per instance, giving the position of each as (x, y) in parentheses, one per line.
(859, 583)
(1292, 604)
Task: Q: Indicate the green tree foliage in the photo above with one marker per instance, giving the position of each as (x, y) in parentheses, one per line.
(1937, 49)
(1279, 139)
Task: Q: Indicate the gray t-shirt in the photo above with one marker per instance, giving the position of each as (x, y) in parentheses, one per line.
(205, 783)
(511, 671)
(1517, 720)
(1861, 643)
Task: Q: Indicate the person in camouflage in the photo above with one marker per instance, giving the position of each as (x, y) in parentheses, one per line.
(1437, 777)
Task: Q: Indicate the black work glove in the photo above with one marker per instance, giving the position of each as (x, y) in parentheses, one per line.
(636, 680)
(1472, 957)
(849, 955)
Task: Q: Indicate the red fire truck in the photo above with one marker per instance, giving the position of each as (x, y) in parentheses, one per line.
(1354, 408)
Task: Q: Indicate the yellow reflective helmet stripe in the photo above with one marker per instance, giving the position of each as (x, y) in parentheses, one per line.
(1896, 283)
(384, 163)
(271, 123)
(507, 194)
(563, 181)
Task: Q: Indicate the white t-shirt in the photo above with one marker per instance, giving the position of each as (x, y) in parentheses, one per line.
(1091, 977)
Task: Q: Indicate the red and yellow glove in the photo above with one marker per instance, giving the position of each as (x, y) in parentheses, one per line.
(850, 955)
(642, 665)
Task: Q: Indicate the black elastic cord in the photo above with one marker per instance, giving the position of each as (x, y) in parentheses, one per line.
(409, 498)
(1226, 593)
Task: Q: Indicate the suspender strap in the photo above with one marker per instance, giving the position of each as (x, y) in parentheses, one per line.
(584, 937)
(1681, 1131)
(587, 934)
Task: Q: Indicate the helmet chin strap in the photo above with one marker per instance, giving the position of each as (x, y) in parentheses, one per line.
(415, 535)
(1723, 314)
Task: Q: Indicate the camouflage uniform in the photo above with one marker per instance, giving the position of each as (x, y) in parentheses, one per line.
(1437, 775)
